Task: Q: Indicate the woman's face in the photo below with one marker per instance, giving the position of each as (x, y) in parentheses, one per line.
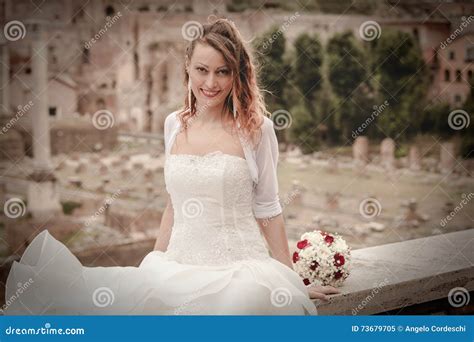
(211, 77)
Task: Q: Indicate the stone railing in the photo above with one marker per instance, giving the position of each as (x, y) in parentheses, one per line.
(410, 277)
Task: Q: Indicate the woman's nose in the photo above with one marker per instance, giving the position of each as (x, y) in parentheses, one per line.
(211, 81)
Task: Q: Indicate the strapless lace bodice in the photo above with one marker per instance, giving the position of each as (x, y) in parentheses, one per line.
(212, 204)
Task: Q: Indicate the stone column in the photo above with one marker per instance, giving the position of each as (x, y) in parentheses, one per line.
(360, 153)
(43, 199)
(447, 157)
(387, 153)
(414, 158)
(4, 78)
(40, 117)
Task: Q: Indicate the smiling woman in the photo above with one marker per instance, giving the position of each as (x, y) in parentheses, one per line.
(210, 255)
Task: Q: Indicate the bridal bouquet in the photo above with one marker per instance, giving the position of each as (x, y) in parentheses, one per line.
(323, 257)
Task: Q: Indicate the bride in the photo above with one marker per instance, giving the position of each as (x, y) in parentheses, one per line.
(210, 256)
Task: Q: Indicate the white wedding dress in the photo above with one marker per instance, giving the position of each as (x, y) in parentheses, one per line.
(216, 262)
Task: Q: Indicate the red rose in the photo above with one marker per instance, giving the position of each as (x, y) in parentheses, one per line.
(306, 281)
(338, 274)
(313, 265)
(338, 259)
(296, 257)
(329, 239)
(303, 244)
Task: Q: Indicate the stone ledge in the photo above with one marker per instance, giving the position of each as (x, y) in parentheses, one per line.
(396, 275)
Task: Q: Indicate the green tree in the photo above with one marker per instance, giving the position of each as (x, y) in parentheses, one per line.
(348, 77)
(401, 76)
(306, 71)
(303, 130)
(270, 49)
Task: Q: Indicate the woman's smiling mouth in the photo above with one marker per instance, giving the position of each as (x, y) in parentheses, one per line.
(209, 93)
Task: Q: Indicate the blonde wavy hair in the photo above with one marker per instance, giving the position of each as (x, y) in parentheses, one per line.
(224, 36)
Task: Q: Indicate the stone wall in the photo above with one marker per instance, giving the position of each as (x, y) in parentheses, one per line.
(410, 277)
(78, 136)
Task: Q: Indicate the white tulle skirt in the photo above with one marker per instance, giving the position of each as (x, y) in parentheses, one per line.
(50, 280)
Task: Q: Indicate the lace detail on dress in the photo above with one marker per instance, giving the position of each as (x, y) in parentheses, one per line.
(213, 217)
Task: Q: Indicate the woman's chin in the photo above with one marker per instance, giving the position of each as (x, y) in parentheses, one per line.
(209, 103)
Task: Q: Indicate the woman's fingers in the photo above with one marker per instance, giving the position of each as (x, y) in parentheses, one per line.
(321, 292)
(325, 289)
(317, 295)
(330, 290)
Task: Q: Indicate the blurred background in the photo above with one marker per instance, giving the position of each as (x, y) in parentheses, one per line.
(372, 103)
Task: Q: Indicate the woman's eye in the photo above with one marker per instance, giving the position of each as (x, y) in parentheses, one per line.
(223, 72)
(201, 69)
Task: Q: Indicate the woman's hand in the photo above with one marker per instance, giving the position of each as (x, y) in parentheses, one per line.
(321, 292)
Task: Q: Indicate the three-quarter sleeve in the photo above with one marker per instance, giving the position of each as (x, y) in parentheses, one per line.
(266, 200)
(168, 130)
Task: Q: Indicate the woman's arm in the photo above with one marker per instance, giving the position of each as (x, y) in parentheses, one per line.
(166, 225)
(273, 229)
